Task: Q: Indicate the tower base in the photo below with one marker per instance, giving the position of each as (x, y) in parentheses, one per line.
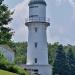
(39, 69)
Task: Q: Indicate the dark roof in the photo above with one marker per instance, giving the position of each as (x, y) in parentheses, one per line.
(37, 2)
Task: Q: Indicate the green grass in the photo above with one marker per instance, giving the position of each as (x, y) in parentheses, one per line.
(2, 72)
(27, 73)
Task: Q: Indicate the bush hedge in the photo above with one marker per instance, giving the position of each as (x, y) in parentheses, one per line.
(5, 65)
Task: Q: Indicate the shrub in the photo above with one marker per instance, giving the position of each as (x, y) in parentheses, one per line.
(3, 62)
(16, 69)
(13, 69)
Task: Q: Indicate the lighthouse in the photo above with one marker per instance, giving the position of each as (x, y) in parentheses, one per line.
(37, 50)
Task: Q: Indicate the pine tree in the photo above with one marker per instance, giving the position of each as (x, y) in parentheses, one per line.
(60, 62)
(1, 1)
(5, 18)
(71, 62)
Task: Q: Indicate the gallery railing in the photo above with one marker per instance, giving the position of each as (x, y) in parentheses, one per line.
(39, 19)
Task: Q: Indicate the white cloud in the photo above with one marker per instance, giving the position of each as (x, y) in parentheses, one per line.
(58, 2)
(72, 3)
(57, 32)
(18, 24)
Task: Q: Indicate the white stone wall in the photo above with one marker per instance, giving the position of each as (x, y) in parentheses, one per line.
(42, 69)
(38, 11)
(41, 52)
(8, 53)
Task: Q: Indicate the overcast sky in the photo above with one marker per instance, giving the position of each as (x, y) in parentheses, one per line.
(62, 19)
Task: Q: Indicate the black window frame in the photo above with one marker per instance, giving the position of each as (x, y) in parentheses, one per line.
(35, 44)
(33, 6)
(33, 16)
(36, 29)
(35, 60)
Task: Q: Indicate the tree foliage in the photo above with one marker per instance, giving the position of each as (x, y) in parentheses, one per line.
(71, 62)
(52, 51)
(60, 62)
(5, 19)
(3, 61)
(20, 49)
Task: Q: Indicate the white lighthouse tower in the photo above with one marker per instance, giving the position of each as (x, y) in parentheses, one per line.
(37, 51)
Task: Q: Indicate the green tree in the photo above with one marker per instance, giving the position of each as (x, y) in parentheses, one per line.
(60, 62)
(3, 61)
(5, 18)
(71, 62)
(21, 52)
(52, 51)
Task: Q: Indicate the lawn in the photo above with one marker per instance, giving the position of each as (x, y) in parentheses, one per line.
(2, 72)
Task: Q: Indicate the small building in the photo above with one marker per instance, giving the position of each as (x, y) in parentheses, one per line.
(8, 53)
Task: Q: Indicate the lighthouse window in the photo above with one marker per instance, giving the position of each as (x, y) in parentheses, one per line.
(33, 16)
(35, 29)
(35, 45)
(33, 6)
(35, 60)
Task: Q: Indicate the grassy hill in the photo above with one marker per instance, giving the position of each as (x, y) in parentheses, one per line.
(2, 72)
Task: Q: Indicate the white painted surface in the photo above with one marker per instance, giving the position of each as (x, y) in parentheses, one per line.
(41, 52)
(37, 19)
(39, 10)
(42, 69)
(7, 52)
